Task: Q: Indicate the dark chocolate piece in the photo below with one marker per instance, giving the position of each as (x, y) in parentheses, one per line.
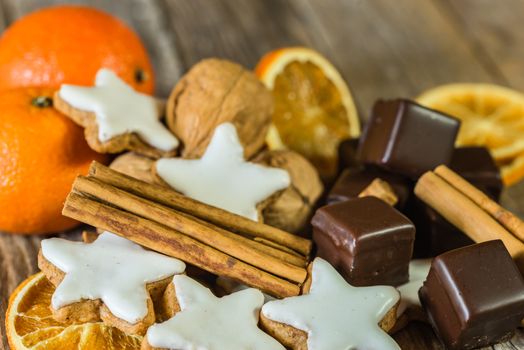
(353, 180)
(474, 296)
(407, 138)
(476, 165)
(347, 154)
(366, 240)
(435, 235)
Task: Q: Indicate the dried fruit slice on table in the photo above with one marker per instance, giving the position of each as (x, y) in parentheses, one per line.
(30, 325)
(492, 116)
(314, 109)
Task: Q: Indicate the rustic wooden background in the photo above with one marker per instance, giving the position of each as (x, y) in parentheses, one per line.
(383, 48)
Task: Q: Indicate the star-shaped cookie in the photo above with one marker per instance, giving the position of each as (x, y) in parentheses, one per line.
(222, 177)
(112, 269)
(336, 315)
(211, 323)
(418, 271)
(116, 117)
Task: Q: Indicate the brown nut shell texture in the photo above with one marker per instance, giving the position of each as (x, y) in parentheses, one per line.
(291, 208)
(213, 92)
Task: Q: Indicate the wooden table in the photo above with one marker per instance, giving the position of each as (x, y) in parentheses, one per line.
(383, 48)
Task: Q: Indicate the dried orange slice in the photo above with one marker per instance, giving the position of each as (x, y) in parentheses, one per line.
(30, 325)
(514, 171)
(314, 109)
(491, 115)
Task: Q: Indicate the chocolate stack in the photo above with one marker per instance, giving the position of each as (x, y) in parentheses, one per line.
(474, 294)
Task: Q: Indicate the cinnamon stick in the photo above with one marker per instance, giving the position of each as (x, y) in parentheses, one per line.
(200, 210)
(267, 247)
(278, 247)
(506, 218)
(170, 242)
(465, 214)
(237, 246)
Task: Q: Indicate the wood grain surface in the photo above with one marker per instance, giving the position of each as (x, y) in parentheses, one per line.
(383, 48)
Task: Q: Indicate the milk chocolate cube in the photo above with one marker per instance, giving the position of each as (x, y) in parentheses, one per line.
(476, 165)
(407, 138)
(474, 296)
(354, 180)
(366, 240)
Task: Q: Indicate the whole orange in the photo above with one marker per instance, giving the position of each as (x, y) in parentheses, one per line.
(41, 153)
(68, 44)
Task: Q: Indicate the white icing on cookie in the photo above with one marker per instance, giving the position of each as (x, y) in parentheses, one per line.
(336, 315)
(119, 110)
(230, 286)
(112, 269)
(222, 177)
(211, 323)
(418, 271)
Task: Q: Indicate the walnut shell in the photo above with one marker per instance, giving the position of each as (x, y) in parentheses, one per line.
(291, 208)
(213, 92)
(135, 165)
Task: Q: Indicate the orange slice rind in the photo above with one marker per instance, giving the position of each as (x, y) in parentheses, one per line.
(492, 116)
(314, 109)
(30, 324)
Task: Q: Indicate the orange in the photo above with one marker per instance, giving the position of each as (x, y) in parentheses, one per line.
(30, 325)
(491, 115)
(314, 109)
(68, 44)
(41, 153)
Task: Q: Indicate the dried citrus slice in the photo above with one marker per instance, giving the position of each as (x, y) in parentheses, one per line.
(491, 115)
(513, 171)
(314, 109)
(30, 325)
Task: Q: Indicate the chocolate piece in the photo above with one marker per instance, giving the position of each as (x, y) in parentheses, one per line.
(474, 296)
(366, 240)
(435, 235)
(353, 180)
(476, 165)
(407, 138)
(347, 154)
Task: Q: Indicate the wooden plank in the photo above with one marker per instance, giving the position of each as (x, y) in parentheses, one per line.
(395, 48)
(518, 339)
(146, 17)
(380, 46)
(416, 336)
(493, 30)
(17, 260)
(238, 30)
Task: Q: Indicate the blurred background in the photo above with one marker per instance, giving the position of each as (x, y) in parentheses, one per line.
(382, 48)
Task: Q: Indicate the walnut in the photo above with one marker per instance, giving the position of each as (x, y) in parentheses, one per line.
(136, 166)
(213, 92)
(291, 208)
